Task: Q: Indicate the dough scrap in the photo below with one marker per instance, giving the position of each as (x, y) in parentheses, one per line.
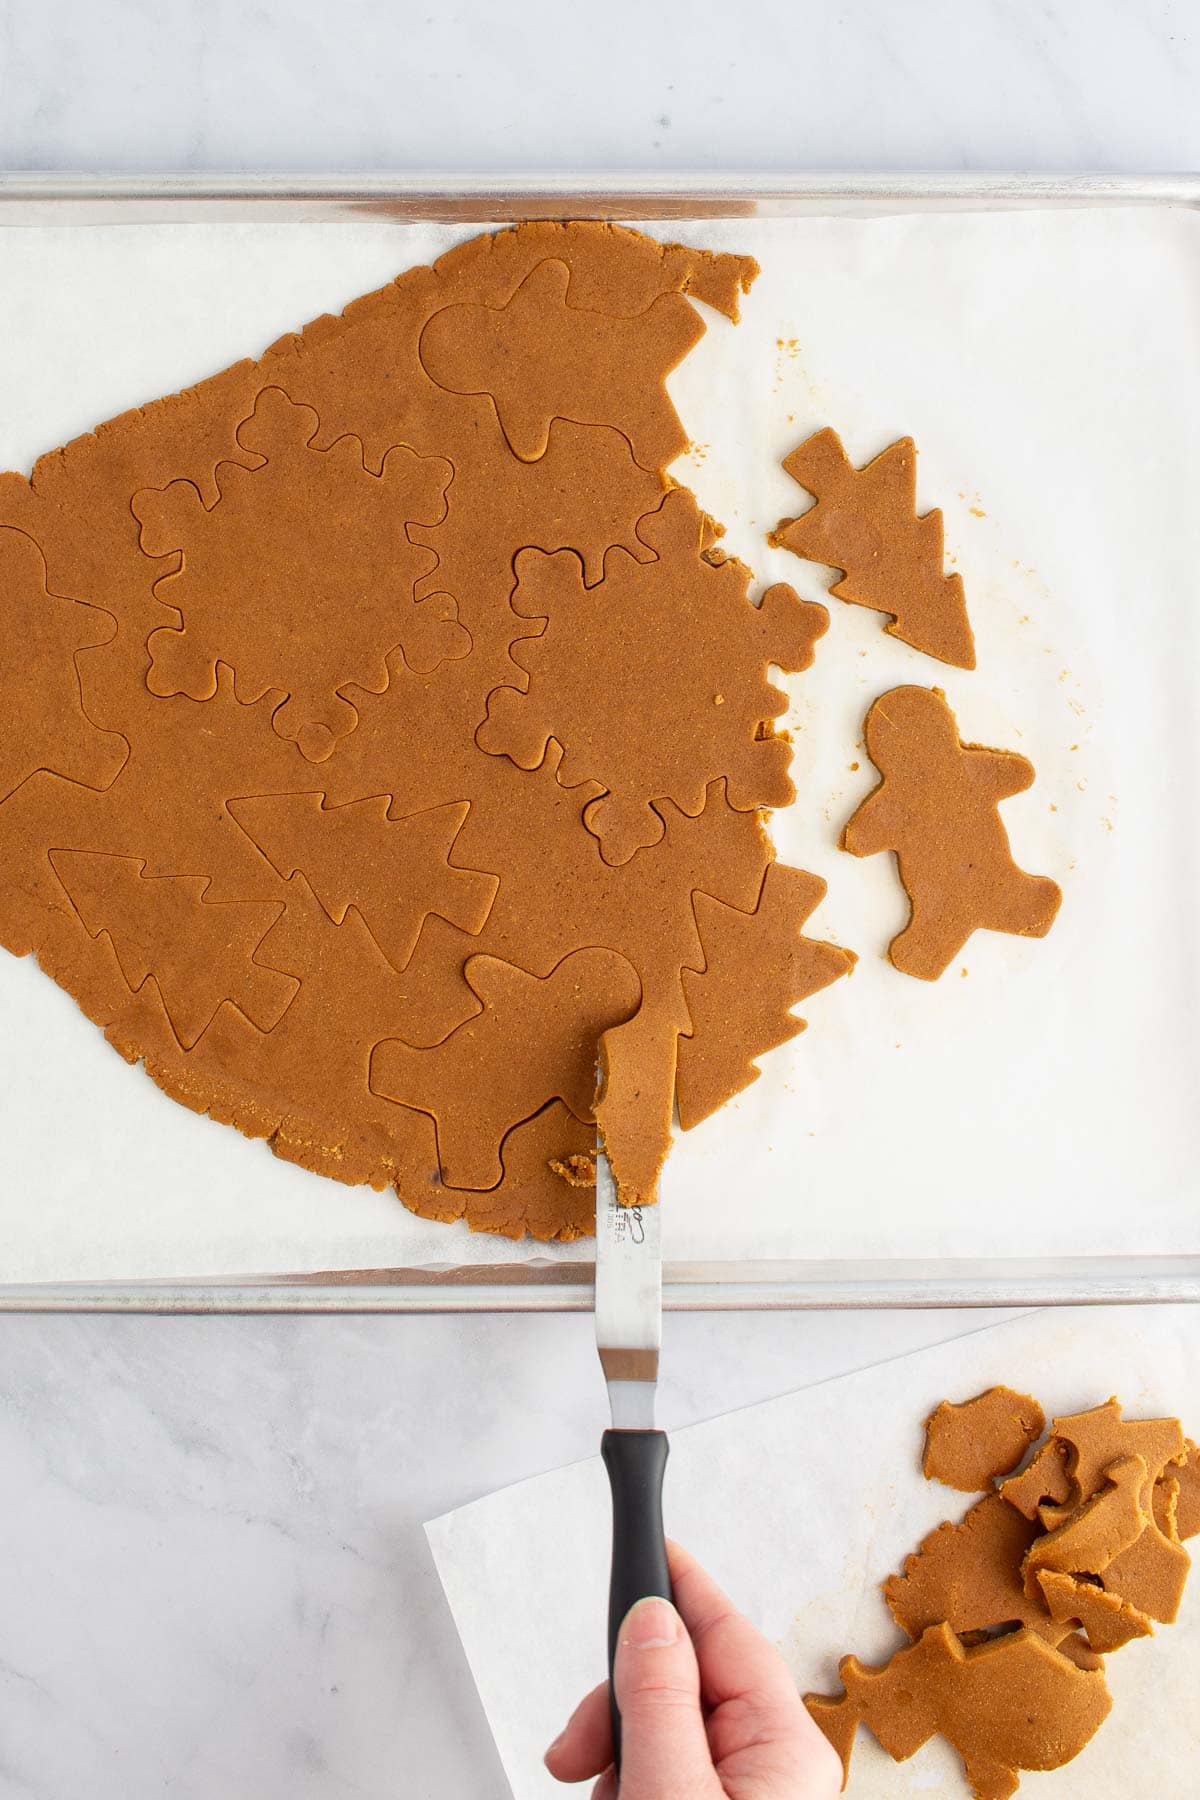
(1012, 1703)
(1099, 1437)
(968, 1445)
(969, 1576)
(1099, 1529)
(1150, 1574)
(936, 808)
(633, 1102)
(1043, 1478)
(1184, 1476)
(865, 523)
(1108, 1622)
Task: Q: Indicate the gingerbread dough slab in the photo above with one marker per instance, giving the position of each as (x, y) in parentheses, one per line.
(258, 628)
(936, 808)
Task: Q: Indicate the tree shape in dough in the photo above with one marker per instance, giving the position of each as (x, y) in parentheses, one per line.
(757, 967)
(45, 726)
(540, 358)
(1012, 1703)
(301, 577)
(199, 952)
(394, 872)
(654, 682)
(865, 523)
(533, 1040)
(937, 808)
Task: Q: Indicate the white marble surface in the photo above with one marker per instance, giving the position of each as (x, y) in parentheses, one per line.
(468, 84)
(212, 1577)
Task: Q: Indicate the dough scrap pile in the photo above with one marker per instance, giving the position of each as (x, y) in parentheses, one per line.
(1011, 1611)
(358, 776)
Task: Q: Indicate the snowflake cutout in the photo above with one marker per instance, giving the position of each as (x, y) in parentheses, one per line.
(301, 576)
(679, 629)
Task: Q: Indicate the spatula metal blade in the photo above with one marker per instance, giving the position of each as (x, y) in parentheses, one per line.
(628, 1301)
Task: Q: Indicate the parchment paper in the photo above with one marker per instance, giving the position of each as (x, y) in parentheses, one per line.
(1048, 365)
(800, 1508)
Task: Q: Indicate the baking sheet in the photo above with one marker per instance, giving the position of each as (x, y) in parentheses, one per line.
(1048, 364)
(800, 1508)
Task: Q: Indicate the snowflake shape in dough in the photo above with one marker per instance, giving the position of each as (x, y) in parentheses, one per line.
(654, 681)
(301, 577)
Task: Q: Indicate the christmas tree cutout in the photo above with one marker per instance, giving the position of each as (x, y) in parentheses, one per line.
(198, 952)
(865, 522)
(735, 1020)
(394, 872)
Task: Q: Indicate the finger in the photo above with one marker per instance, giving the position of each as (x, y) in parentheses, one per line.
(606, 1787)
(584, 1749)
(758, 1719)
(664, 1746)
(735, 1659)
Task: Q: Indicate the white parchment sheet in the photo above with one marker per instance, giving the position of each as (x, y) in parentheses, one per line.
(800, 1508)
(1043, 1101)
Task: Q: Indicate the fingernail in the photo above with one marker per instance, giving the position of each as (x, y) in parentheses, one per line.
(651, 1625)
(554, 1746)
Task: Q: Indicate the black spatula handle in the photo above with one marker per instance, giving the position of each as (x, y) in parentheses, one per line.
(635, 1461)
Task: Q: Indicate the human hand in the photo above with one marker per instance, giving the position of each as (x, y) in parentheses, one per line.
(709, 1712)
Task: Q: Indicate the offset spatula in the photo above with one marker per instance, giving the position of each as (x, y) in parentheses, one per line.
(629, 1336)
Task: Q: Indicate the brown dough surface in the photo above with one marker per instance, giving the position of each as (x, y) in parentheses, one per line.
(1185, 1509)
(865, 523)
(701, 695)
(1104, 1525)
(250, 634)
(1013, 1703)
(968, 1445)
(969, 1575)
(733, 1021)
(1150, 1574)
(1108, 1622)
(1101, 1436)
(937, 809)
(1044, 1478)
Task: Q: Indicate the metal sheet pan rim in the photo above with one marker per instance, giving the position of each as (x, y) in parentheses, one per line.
(687, 1287)
(87, 198)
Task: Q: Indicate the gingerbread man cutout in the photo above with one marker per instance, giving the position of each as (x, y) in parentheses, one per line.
(936, 807)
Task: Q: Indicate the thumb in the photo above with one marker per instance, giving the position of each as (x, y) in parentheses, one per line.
(664, 1746)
